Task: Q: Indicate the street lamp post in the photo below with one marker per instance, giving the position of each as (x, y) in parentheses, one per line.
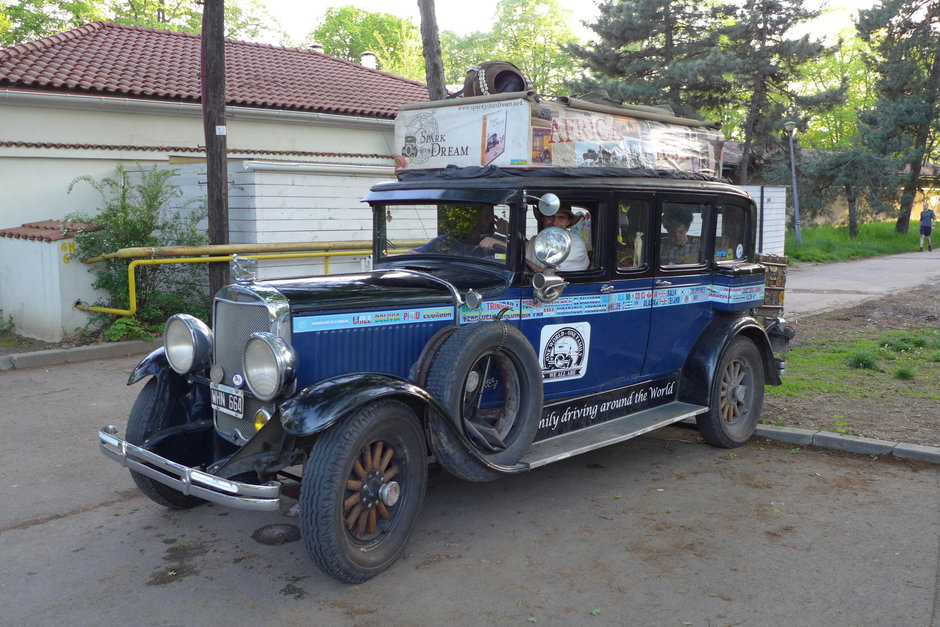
(791, 130)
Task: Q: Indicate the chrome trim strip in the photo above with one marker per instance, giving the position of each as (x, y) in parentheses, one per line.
(190, 481)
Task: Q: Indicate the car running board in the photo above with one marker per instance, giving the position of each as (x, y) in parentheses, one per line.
(583, 440)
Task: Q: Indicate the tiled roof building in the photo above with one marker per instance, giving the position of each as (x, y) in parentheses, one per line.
(116, 60)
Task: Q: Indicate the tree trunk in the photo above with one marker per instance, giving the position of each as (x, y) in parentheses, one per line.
(433, 63)
(213, 121)
(851, 195)
(750, 125)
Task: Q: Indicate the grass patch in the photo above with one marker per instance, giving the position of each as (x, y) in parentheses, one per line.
(853, 365)
(832, 243)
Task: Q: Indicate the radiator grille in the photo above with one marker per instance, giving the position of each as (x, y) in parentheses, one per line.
(233, 322)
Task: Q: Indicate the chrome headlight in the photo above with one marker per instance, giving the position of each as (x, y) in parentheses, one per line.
(552, 246)
(187, 341)
(268, 364)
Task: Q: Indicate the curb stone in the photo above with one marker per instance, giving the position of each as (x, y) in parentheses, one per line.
(850, 443)
(58, 356)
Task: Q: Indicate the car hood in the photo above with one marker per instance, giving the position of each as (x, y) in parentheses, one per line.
(401, 284)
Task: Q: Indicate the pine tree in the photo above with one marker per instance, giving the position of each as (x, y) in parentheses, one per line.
(905, 120)
(656, 52)
(766, 63)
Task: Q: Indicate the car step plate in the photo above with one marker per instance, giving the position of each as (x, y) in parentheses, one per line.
(584, 440)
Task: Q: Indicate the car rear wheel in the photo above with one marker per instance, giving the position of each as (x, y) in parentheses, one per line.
(362, 488)
(737, 395)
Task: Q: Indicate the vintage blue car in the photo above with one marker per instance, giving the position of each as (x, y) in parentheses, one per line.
(467, 345)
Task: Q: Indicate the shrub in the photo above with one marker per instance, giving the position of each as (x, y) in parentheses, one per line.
(864, 360)
(904, 374)
(137, 212)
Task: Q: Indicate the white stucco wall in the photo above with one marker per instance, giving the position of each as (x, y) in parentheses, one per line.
(39, 285)
(774, 217)
(54, 139)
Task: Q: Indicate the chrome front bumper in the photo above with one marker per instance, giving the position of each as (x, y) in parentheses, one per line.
(264, 497)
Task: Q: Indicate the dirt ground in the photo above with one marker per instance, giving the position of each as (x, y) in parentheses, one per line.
(882, 412)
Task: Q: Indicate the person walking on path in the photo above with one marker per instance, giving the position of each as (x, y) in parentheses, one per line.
(927, 218)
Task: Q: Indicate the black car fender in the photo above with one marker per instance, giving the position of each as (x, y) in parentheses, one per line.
(700, 365)
(321, 405)
(189, 399)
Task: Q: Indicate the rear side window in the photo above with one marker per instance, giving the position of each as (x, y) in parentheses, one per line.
(730, 233)
(632, 221)
(680, 238)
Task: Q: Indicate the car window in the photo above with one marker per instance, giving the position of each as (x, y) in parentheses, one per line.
(632, 228)
(452, 230)
(680, 239)
(730, 233)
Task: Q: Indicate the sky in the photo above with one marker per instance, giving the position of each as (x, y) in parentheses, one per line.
(467, 16)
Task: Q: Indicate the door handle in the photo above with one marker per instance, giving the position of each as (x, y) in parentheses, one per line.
(663, 283)
(607, 289)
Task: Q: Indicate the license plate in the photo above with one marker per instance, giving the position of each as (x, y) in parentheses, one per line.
(227, 399)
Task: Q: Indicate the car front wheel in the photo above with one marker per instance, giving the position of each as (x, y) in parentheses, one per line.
(362, 488)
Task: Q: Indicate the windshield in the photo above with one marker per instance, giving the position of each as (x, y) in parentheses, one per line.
(444, 229)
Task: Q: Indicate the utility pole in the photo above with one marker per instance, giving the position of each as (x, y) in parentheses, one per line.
(791, 130)
(433, 63)
(213, 120)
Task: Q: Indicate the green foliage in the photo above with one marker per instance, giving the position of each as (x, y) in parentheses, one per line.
(528, 33)
(865, 360)
(137, 212)
(833, 243)
(27, 20)
(7, 327)
(842, 427)
(126, 329)
(348, 31)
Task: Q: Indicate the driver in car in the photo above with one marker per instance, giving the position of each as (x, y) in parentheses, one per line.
(467, 232)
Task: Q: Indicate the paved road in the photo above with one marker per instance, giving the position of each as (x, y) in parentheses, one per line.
(815, 288)
(656, 531)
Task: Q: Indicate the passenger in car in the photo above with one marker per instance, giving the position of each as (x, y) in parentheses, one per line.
(677, 247)
(577, 259)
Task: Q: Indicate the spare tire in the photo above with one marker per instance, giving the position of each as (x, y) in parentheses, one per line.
(488, 378)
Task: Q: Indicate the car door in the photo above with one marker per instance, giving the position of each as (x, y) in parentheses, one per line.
(681, 296)
(594, 336)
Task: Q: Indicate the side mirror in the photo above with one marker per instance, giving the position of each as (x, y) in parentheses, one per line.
(548, 204)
